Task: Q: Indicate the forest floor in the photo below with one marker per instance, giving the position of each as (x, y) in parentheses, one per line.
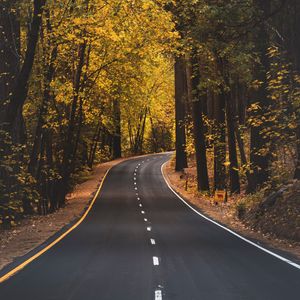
(265, 230)
(33, 231)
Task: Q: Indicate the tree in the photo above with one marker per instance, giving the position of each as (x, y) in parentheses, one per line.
(180, 96)
(198, 124)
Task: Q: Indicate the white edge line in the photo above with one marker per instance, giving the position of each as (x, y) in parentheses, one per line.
(227, 229)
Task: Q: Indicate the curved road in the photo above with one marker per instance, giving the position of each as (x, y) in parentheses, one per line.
(141, 242)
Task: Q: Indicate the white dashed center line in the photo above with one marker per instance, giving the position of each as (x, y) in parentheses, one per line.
(155, 261)
(158, 292)
(158, 295)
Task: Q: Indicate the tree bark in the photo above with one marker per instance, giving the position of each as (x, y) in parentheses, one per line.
(180, 95)
(20, 89)
(297, 169)
(197, 100)
(10, 67)
(66, 167)
(233, 168)
(43, 110)
(230, 118)
(220, 143)
(117, 146)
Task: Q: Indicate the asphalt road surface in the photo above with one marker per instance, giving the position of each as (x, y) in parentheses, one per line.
(141, 242)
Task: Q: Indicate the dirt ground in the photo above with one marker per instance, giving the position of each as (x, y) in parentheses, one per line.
(33, 231)
(225, 214)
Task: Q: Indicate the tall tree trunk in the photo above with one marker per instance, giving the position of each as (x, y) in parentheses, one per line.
(233, 168)
(230, 116)
(197, 100)
(69, 142)
(138, 142)
(154, 136)
(10, 67)
(9, 48)
(297, 169)
(94, 146)
(117, 148)
(43, 110)
(80, 111)
(142, 135)
(20, 89)
(180, 95)
(219, 143)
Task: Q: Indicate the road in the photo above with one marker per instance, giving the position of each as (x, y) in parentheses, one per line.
(141, 242)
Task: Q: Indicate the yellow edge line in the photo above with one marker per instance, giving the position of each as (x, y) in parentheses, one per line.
(31, 259)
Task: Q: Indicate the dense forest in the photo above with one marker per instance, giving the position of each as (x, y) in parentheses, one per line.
(237, 93)
(81, 82)
(84, 81)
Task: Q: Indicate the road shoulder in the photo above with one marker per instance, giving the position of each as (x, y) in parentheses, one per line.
(223, 216)
(34, 232)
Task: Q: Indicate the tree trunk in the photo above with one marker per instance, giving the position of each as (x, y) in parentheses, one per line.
(219, 144)
(43, 110)
(94, 145)
(117, 146)
(297, 169)
(154, 137)
(180, 95)
(230, 118)
(20, 89)
(233, 168)
(197, 100)
(10, 67)
(66, 167)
